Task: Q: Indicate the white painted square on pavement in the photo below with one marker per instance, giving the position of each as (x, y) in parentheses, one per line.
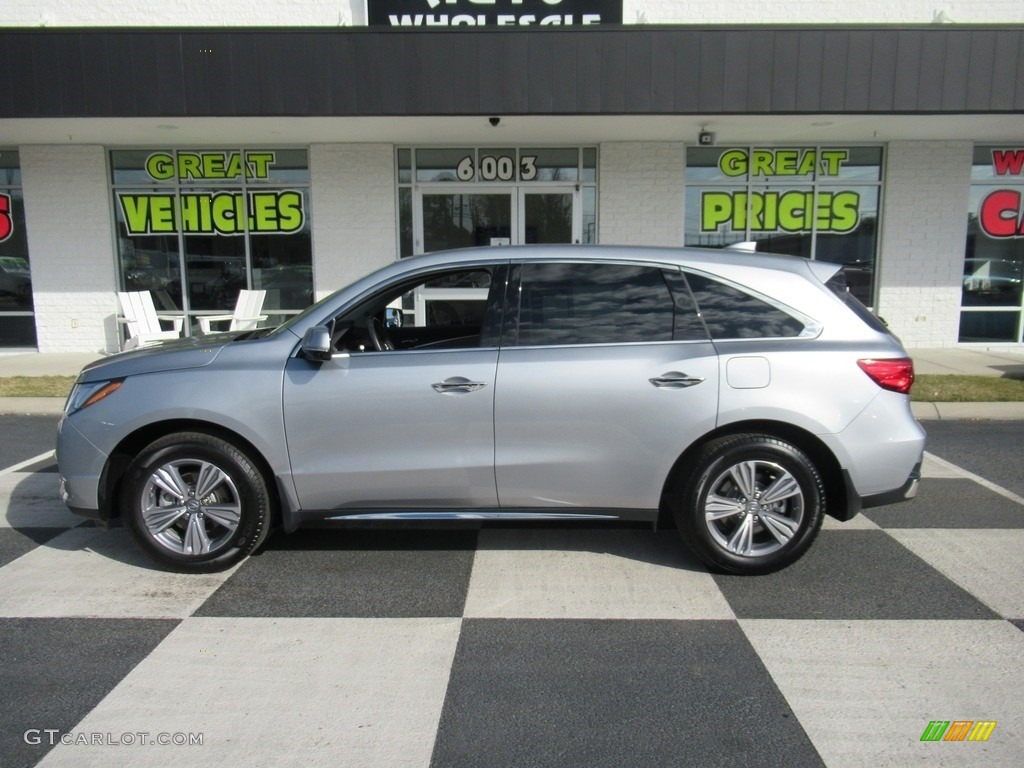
(279, 692)
(866, 691)
(91, 572)
(988, 563)
(590, 574)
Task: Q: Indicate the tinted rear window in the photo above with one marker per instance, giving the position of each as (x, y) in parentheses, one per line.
(729, 313)
(593, 304)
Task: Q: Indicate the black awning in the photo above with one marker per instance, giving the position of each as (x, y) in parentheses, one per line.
(627, 70)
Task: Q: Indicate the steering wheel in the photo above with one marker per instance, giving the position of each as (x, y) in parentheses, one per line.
(379, 335)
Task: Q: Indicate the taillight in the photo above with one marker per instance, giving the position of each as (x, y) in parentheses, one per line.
(896, 374)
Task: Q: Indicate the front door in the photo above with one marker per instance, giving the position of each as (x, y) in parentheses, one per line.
(496, 216)
(548, 215)
(433, 373)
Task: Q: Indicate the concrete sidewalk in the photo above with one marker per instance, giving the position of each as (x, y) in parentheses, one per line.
(959, 360)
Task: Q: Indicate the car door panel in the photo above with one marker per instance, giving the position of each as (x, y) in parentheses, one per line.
(373, 431)
(586, 427)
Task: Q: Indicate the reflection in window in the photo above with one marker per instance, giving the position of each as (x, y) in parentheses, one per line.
(732, 314)
(593, 304)
(462, 221)
(548, 217)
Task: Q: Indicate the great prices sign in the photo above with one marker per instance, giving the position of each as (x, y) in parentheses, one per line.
(777, 209)
(1001, 214)
(212, 212)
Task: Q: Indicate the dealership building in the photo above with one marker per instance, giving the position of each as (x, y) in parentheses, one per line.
(196, 149)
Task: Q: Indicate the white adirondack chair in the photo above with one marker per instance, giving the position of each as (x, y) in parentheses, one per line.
(139, 314)
(245, 317)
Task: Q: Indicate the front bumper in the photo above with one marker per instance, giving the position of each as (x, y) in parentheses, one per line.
(81, 465)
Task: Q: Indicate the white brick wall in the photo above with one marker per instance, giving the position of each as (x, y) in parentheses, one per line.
(179, 13)
(641, 193)
(70, 247)
(924, 232)
(821, 11)
(354, 212)
(331, 13)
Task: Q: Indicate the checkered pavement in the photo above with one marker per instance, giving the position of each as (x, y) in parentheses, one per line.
(515, 646)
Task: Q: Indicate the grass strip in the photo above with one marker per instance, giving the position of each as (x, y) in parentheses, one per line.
(955, 388)
(36, 386)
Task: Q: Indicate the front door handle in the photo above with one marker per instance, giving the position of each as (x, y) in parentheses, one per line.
(675, 380)
(458, 384)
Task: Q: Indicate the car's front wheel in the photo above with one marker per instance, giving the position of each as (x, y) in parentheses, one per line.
(752, 505)
(196, 503)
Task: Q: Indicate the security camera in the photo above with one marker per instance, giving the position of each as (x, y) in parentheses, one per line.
(706, 139)
(494, 121)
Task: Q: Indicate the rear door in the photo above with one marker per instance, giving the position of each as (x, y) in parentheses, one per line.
(605, 376)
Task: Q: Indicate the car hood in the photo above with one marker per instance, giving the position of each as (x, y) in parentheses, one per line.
(195, 352)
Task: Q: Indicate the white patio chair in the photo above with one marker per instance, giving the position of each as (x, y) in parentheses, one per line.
(139, 315)
(245, 317)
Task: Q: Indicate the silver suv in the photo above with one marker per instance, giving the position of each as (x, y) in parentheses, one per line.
(740, 396)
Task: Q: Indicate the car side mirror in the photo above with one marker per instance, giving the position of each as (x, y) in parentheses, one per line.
(316, 344)
(393, 318)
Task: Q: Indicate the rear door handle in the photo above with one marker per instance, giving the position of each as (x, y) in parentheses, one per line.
(458, 384)
(675, 380)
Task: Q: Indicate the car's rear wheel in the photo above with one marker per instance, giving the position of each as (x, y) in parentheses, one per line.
(195, 502)
(752, 505)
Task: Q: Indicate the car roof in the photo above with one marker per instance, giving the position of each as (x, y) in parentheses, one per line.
(713, 260)
(766, 270)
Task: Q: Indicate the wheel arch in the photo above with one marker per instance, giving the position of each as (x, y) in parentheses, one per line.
(133, 444)
(832, 475)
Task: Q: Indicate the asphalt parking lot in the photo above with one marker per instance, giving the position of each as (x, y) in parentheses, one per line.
(521, 646)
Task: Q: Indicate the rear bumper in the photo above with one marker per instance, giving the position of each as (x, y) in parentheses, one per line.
(906, 493)
(856, 503)
(880, 453)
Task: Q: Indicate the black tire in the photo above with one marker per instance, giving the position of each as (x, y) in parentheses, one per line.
(188, 531)
(767, 502)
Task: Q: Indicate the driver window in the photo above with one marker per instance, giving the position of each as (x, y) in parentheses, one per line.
(453, 310)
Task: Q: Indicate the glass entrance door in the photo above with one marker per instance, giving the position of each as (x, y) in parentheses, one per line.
(496, 216)
(548, 216)
(463, 220)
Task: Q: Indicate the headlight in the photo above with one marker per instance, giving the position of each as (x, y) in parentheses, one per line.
(84, 395)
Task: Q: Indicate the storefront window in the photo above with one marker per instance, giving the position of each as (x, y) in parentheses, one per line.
(991, 297)
(195, 227)
(17, 321)
(817, 202)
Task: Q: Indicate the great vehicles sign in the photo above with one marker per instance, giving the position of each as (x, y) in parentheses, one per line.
(223, 211)
(492, 13)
